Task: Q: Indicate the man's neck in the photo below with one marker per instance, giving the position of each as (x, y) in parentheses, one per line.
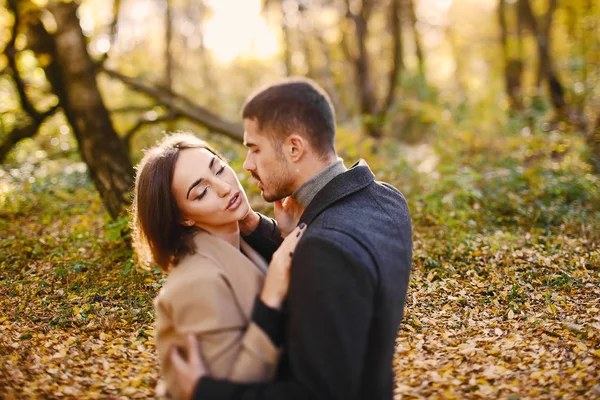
(311, 169)
(305, 193)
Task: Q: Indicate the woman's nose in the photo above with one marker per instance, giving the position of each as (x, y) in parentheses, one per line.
(221, 187)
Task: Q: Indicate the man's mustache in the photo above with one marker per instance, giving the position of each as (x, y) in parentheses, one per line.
(255, 176)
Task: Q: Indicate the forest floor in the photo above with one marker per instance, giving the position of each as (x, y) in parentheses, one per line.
(504, 299)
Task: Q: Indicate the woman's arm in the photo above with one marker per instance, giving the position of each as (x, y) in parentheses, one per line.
(202, 302)
(199, 300)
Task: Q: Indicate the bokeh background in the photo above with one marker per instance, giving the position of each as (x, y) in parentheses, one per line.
(484, 113)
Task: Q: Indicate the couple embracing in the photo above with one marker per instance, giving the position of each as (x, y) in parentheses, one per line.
(306, 306)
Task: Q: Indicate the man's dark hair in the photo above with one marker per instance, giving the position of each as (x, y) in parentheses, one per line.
(294, 105)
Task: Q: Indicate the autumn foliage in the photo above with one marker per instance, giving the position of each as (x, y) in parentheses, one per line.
(503, 300)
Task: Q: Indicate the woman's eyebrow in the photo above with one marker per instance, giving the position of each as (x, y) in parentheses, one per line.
(196, 183)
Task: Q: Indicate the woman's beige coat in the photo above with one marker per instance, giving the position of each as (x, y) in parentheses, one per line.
(211, 294)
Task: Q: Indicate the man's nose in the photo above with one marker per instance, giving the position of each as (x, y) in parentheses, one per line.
(249, 164)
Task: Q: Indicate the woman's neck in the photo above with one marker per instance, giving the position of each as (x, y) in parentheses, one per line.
(229, 233)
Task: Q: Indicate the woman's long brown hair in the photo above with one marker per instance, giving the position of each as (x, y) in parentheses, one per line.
(158, 234)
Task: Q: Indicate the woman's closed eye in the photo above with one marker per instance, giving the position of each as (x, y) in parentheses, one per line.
(203, 192)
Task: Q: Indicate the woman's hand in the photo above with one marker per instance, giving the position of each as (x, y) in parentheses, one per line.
(287, 215)
(189, 369)
(278, 277)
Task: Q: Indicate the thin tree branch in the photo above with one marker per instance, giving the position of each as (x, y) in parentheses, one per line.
(544, 38)
(183, 106)
(325, 73)
(361, 61)
(168, 49)
(115, 21)
(344, 43)
(112, 29)
(367, 8)
(146, 121)
(546, 69)
(11, 53)
(130, 109)
(346, 48)
(24, 132)
(417, 38)
(512, 67)
(51, 156)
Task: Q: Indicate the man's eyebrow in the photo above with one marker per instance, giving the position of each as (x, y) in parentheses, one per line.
(193, 185)
(249, 144)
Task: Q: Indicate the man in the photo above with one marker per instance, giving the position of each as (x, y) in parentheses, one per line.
(350, 270)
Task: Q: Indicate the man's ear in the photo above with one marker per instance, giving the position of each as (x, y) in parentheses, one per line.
(296, 146)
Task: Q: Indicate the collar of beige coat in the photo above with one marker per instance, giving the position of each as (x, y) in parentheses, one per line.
(215, 248)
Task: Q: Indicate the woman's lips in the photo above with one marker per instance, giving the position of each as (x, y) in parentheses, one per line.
(234, 202)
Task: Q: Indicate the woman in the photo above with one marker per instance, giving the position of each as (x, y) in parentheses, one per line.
(187, 208)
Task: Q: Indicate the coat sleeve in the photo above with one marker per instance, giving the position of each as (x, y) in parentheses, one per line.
(204, 304)
(266, 238)
(331, 301)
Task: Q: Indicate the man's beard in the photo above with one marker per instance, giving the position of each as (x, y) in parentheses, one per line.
(280, 188)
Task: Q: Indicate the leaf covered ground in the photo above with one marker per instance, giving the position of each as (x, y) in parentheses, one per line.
(504, 300)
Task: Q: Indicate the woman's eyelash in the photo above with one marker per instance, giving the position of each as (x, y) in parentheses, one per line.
(201, 195)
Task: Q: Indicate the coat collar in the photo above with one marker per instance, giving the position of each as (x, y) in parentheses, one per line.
(225, 255)
(354, 179)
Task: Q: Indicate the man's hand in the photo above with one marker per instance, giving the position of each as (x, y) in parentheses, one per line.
(249, 223)
(287, 214)
(188, 372)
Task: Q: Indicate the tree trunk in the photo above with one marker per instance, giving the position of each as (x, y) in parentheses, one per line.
(594, 143)
(168, 48)
(546, 68)
(397, 60)
(513, 66)
(327, 79)
(366, 91)
(72, 75)
(209, 82)
(417, 38)
(286, 33)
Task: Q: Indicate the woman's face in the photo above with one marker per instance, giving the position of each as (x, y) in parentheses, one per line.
(207, 191)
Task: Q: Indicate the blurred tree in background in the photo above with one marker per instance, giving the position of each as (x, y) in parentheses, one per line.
(484, 113)
(109, 77)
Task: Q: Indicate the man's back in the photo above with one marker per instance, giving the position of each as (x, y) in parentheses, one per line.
(348, 286)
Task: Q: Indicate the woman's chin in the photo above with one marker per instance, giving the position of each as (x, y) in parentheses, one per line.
(242, 210)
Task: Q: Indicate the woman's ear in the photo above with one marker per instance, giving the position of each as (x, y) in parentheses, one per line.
(296, 146)
(187, 222)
